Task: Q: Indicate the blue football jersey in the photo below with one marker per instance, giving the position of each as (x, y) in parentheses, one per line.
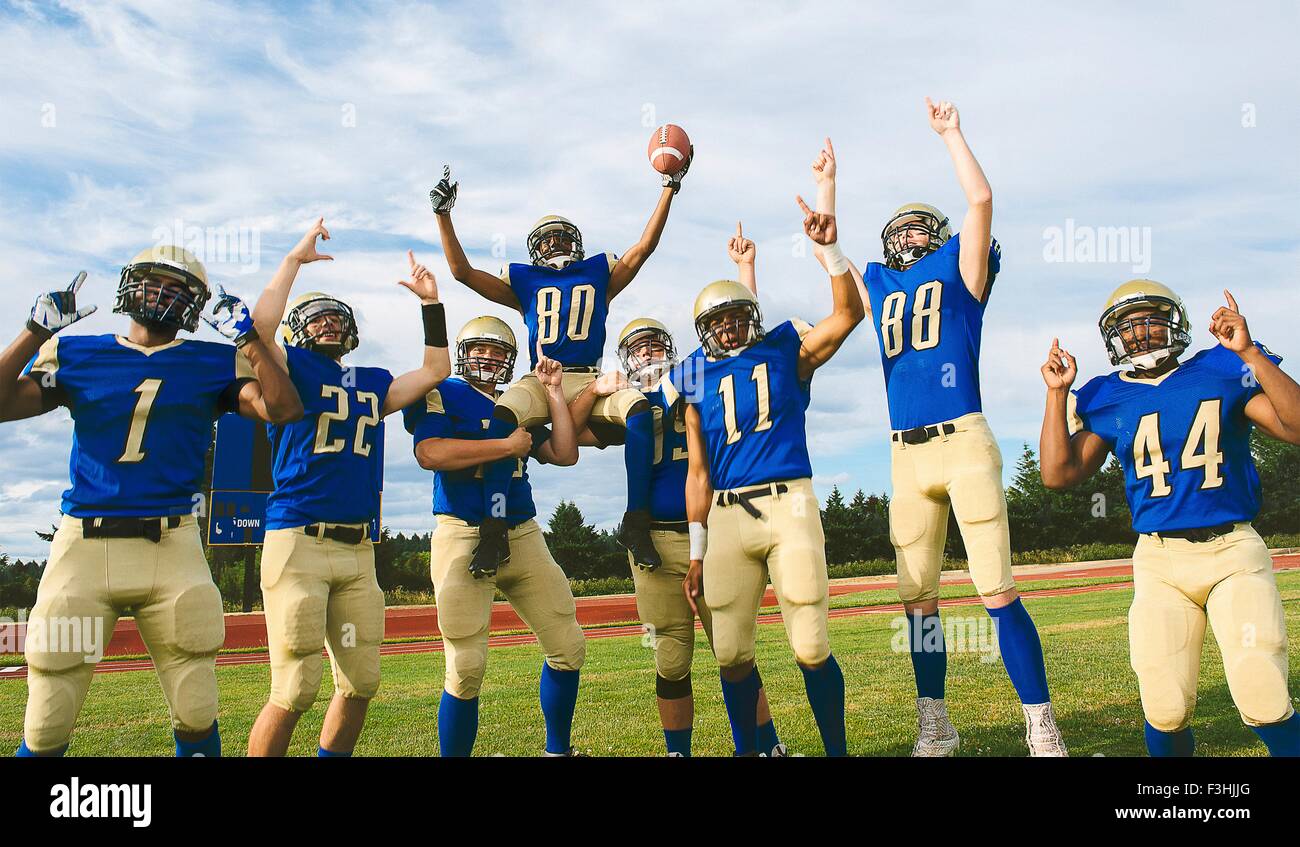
(751, 408)
(1183, 440)
(142, 419)
(928, 328)
(566, 310)
(668, 474)
(328, 466)
(456, 409)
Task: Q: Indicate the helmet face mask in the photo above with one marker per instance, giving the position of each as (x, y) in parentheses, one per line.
(1145, 326)
(900, 237)
(314, 318)
(163, 293)
(486, 352)
(555, 242)
(646, 355)
(729, 328)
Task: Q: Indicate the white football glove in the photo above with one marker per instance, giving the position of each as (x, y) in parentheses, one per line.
(58, 310)
(237, 325)
(674, 181)
(443, 196)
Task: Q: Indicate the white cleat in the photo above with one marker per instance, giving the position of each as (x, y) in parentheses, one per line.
(1041, 732)
(936, 736)
(780, 751)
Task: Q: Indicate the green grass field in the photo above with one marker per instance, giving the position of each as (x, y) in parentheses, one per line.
(1084, 637)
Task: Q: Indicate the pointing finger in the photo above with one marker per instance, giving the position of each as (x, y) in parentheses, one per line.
(410, 255)
(1232, 302)
(77, 281)
(739, 234)
(803, 205)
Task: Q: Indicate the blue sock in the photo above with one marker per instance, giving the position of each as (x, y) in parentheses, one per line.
(1022, 652)
(929, 654)
(825, 688)
(209, 746)
(679, 741)
(741, 699)
(457, 725)
(1282, 739)
(322, 753)
(1165, 744)
(25, 752)
(497, 475)
(767, 738)
(559, 693)
(638, 459)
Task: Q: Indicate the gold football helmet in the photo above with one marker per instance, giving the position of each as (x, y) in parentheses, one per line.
(555, 242)
(912, 217)
(730, 335)
(1150, 339)
(636, 350)
(164, 286)
(303, 311)
(486, 369)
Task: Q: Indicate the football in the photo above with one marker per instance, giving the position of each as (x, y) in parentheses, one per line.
(669, 148)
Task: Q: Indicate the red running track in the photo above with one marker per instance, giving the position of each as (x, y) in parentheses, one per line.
(608, 606)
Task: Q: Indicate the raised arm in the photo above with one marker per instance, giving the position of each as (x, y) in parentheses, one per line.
(1276, 409)
(412, 385)
(824, 169)
(825, 338)
(270, 397)
(494, 288)
(630, 263)
(699, 499)
(1065, 460)
(269, 310)
(562, 447)
(21, 396)
(977, 227)
(743, 252)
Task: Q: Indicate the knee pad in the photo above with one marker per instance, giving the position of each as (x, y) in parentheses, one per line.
(506, 415)
(194, 695)
(465, 667)
(672, 689)
(303, 625)
(198, 622)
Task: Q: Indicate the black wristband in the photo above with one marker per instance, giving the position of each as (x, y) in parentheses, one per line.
(251, 335)
(435, 325)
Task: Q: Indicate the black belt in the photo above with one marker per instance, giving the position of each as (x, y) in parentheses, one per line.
(744, 499)
(345, 534)
(150, 528)
(1200, 534)
(670, 526)
(922, 434)
(581, 369)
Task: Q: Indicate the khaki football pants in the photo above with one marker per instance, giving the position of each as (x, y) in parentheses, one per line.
(320, 593)
(962, 470)
(1178, 586)
(785, 543)
(87, 584)
(526, 399)
(662, 605)
(533, 583)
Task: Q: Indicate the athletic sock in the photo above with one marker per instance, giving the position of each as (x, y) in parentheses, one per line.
(638, 459)
(741, 699)
(1282, 739)
(1022, 652)
(457, 725)
(25, 752)
(825, 688)
(559, 695)
(1167, 744)
(209, 746)
(322, 753)
(929, 654)
(679, 741)
(767, 738)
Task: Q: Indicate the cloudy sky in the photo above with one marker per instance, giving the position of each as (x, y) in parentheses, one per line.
(1175, 123)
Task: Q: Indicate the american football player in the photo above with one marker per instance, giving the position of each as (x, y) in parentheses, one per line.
(143, 406)
(452, 437)
(564, 296)
(750, 505)
(928, 300)
(647, 353)
(1181, 432)
(319, 587)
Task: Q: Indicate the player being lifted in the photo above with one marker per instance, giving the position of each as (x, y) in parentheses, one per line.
(142, 406)
(928, 300)
(647, 353)
(749, 497)
(452, 438)
(564, 297)
(1181, 432)
(318, 563)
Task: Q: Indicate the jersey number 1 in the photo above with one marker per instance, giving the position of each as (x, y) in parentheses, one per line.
(727, 388)
(148, 391)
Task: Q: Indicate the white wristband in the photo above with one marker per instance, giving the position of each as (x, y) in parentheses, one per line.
(836, 263)
(699, 539)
